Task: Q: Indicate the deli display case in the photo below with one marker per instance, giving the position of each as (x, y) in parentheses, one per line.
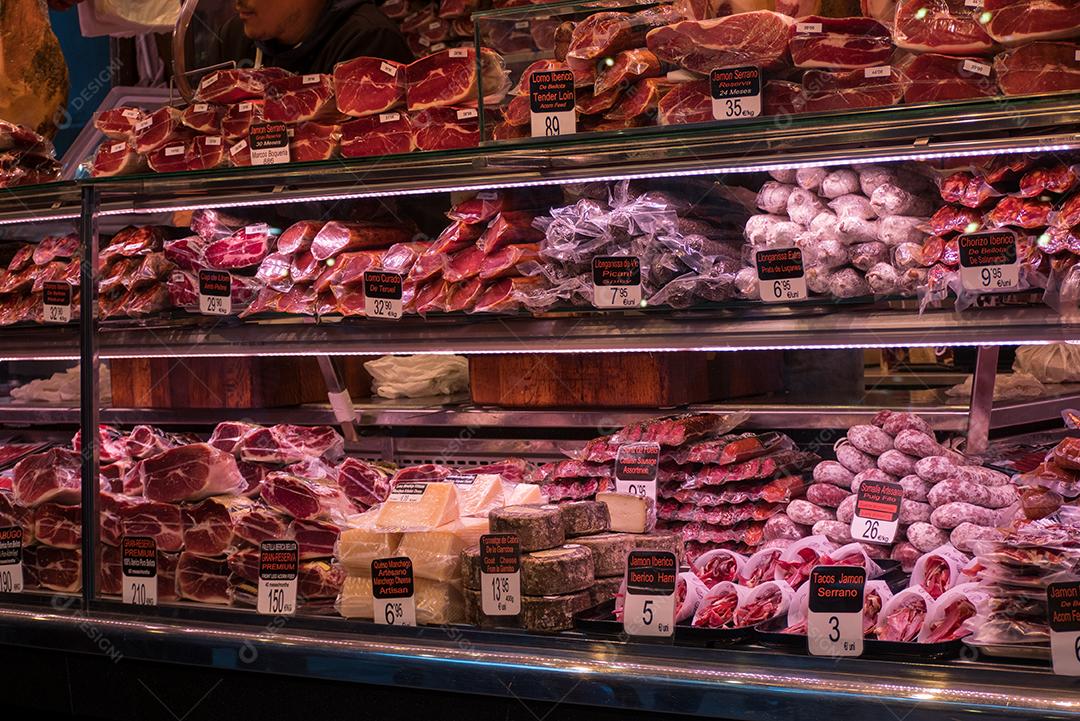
(586, 419)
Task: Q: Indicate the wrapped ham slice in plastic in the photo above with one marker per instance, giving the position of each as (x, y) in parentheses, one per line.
(689, 590)
(875, 595)
(760, 567)
(853, 554)
(717, 608)
(764, 602)
(938, 571)
(718, 566)
(903, 616)
(798, 611)
(956, 613)
(798, 559)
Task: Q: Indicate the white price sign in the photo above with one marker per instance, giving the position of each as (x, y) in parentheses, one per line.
(138, 558)
(215, 292)
(616, 281)
(552, 104)
(989, 261)
(500, 574)
(279, 564)
(636, 466)
(392, 591)
(382, 295)
(56, 302)
(877, 510)
(736, 92)
(781, 278)
(834, 624)
(1063, 613)
(649, 604)
(11, 570)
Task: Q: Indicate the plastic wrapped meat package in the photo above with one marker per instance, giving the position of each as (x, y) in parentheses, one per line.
(418, 376)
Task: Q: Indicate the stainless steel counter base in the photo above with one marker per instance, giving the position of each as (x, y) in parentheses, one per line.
(732, 684)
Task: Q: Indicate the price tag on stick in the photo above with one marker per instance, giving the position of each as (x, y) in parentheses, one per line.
(636, 465)
(649, 605)
(781, 277)
(382, 294)
(500, 574)
(215, 292)
(1063, 613)
(834, 626)
(988, 261)
(552, 103)
(616, 281)
(56, 302)
(279, 566)
(138, 567)
(877, 508)
(736, 92)
(11, 575)
(392, 589)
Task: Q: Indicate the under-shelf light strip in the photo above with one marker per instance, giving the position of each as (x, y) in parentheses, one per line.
(39, 219)
(753, 168)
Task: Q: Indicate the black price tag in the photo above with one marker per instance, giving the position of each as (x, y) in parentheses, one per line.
(269, 143)
(279, 567)
(56, 301)
(500, 574)
(636, 465)
(138, 566)
(988, 261)
(877, 508)
(392, 588)
(834, 626)
(382, 294)
(781, 276)
(1063, 615)
(616, 281)
(11, 575)
(649, 605)
(552, 102)
(215, 292)
(736, 92)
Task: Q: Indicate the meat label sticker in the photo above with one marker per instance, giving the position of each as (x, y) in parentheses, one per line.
(279, 567)
(736, 92)
(649, 604)
(408, 492)
(382, 294)
(988, 261)
(11, 574)
(636, 465)
(269, 143)
(459, 53)
(781, 276)
(616, 281)
(143, 124)
(834, 623)
(56, 301)
(881, 71)
(389, 117)
(392, 591)
(877, 510)
(808, 28)
(500, 574)
(174, 150)
(1063, 614)
(118, 147)
(973, 66)
(200, 107)
(552, 103)
(138, 568)
(466, 114)
(130, 113)
(215, 292)
(388, 69)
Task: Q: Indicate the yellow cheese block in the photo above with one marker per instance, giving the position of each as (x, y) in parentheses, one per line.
(523, 494)
(361, 544)
(479, 494)
(418, 506)
(436, 603)
(436, 554)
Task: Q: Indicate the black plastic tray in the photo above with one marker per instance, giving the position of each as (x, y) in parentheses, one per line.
(600, 620)
(769, 634)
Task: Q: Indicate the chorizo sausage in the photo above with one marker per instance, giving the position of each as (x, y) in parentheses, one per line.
(853, 459)
(870, 439)
(926, 537)
(834, 473)
(807, 513)
(896, 463)
(934, 468)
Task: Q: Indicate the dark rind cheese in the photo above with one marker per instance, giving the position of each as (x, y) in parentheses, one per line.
(537, 527)
(609, 552)
(470, 568)
(552, 613)
(474, 607)
(604, 590)
(557, 571)
(659, 541)
(582, 518)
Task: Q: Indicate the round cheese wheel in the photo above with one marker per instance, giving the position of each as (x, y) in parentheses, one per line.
(470, 568)
(557, 571)
(537, 527)
(552, 613)
(609, 552)
(581, 518)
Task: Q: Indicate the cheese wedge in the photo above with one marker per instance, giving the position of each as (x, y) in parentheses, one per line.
(436, 554)
(418, 506)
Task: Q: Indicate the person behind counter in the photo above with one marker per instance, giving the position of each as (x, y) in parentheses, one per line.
(309, 36)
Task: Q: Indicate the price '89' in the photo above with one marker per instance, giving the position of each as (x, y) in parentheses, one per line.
(551, 125)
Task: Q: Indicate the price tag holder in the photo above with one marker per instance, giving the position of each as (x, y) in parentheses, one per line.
(636, 465)
(138, 567)
(279, 567)
(392, 589)
(877, 508)
(11, 571)
(781, 276)
(616, 281)
(552, 103)
(269, 143)
(988, 261)
(736, 92)
(1063, 613)
(56, 301)
(382, 294)
(215, 292)
(834, 624)
(649, 605)
(500, 574)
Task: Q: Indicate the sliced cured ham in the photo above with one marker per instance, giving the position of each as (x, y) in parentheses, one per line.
(755, 38)
(1042, 67)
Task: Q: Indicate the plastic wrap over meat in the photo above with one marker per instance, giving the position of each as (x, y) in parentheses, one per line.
(767, 601)
(719, 566)
(938, 571)
(717, 608)
(903, 616)
(793, 566)
(956, 613)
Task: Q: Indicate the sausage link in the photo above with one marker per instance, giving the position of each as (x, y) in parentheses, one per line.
(897, 422)
(966, 534)
(917, 443)
(934, 468)
(853, 459)
(915, 488)
(835, 531)
(951, 515)
(926, 537)
(982, 476)
(846, 510)
(906, 554)
(870, 439)
(967, 491)
(807, 513)
(834, 473)
(871, 474)
(896, 463)
(781, 526)
(826, 495)
(914, 512)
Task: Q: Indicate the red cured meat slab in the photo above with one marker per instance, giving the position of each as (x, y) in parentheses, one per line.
(337, 237)
(116, 157)
(53, 476)
(1017, 21)
(1020, 212)
(236, 85)
(260, 523)
(432, 297)
(446, 128)
(449, 78)
(782, 98)
(457, 236)
(383, 134)
(238, 119)
(509, 227)
(602, 35)
(626, 68)
(639, 103)
(227, 435)
(402, 257)
(522, 86)
(1038, 68)
(940, 26)
(300, 98)
(502, 295)
(243, 249)
(463, 265)
(209, 525)
(201, 579)
(842, 43)
(203, 118)
(313, 141)
(369, 86)
(57, 525)
(753, 38)
(463, 296)
(298, 236)
(348, 269)
(504, 262)
(56, 247)
(315, 538)
(285, 444)
(160, 128)
(686, 103)
(304, 499)
(118, 123)
(161, 521)
(932, 77)
(851, 89)
(1054, 179)
(517, 112)
(190, 473)
(363, 483)
(52, 569)
(967, 190)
